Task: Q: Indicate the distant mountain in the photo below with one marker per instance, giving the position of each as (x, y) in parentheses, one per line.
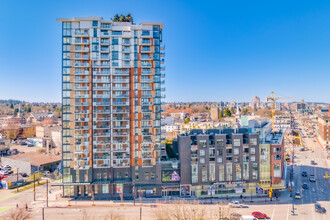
(10, 101)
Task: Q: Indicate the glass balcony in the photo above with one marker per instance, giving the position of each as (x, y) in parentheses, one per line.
(101, 80)
(120, 88)
(81, 87)
(101, 134)
(80, 41)
(79, 64)
(86, 80)
(101, 96)
(101, 65)
(146, 58)
(101, 88)
(81, 128)
(120, 119)
(120, 134)
(146, 80)
(82, 33)
(120, 80)
(126, 50)
(85, 96)
(146, 87)
(127, 57)
(105, 34)
(81, 119)
(81, 49)
(120, 126)
(80, 72)
(120, 103)
(120, 96)
(146, 73)
(101, 72)
(120, 111)
(146, 64)
(101, 103)
(105, 42)
(146, 103)
(121, 72)
(101, 119)
(81, 57)
(101, 111)
(81, 135)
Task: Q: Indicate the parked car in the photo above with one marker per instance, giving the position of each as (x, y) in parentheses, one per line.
(304, 186)
(312, 179)
(236, 204)
(23, 143)
(24, 175)
(30, 145)
(313, 162)
(259, 215)
(297, 195)
(304, 174)
(319, 208)
(248, 217)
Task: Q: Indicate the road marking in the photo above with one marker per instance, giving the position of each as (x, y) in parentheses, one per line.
(7, 197)
(273, 211)
(2, 209)
(287, 214)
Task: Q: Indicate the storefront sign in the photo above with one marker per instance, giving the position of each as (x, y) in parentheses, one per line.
(185, 190)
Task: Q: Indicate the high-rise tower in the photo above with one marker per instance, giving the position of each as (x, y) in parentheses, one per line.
(112, 76)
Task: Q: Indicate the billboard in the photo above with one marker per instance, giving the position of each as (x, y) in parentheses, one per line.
(185, 190)
(171, 176)
(35, 141)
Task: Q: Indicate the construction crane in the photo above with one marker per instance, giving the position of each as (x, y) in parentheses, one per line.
(273, 99)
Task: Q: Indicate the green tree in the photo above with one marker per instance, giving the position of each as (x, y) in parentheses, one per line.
(116, 18)
(15, 111)
(227, 112)
(11, 105)
(37, 175)
(232, 111)
(129, 17)
(220, 114)
(122, 18)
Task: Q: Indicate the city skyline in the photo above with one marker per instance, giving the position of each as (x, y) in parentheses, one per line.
(264, 47)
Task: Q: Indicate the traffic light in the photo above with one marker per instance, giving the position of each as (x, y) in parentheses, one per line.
(326, 175)
(270, 194)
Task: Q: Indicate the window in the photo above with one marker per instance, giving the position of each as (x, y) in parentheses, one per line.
(245, 158)
(229, 151)
(221, 172)
(277, 170)
(201, 152)
(219, 159)
(238, 172)
(202, 160)
(220, 143)
(236, 159)
(253, 158)
(246, 150)
(212, 172)
(277, 150)
(254, 171)
(105, 189)
(253, 142)
(246, 171)
(202, 143)
(146, 176)
(252, 150)
(237, 142)
(194, 173)
(95, 23)
(211, 152)
(204, 174)
(236, 151)
(219, 152)
(277, 157)
(229, 171)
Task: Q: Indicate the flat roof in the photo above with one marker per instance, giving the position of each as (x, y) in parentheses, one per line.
(36, 158)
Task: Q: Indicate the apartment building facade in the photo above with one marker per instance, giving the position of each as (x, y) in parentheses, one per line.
(228, 162)
(112, 89)
(323, 132)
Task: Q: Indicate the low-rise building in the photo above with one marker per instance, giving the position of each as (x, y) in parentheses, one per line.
(32, 162)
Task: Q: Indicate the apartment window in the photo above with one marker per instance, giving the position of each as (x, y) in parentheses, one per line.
(201, 152)
(95, 23)
(277, 170)
(236, 159)
(253, 142)
(202, 143)
(229, 171)
(204, 174)
(211, 152)
(219, 159)
(146, 176)
(252, 150)
(219, 152)
(212, 172)
(229, 151)
(77, 176)
(277, 157)
(277, 150)
(245, 158)
(238, 172)
(253, 158)
(194, 173)
(202, 160)
(246, 150)
(246, 171)
(237, 142)
(220, 143)
(254, 171)
(221, 172)
(86, 177)
(236, 151)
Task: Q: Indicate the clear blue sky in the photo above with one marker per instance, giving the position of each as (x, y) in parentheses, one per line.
(215, 50)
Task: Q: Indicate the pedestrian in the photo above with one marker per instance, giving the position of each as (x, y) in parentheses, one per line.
(17, 206)
(26, 206)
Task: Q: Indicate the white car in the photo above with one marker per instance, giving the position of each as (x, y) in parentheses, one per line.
(236, 204)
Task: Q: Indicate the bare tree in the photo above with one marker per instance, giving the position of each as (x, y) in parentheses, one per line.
(29, 132)
(11, 132)
(19, 214)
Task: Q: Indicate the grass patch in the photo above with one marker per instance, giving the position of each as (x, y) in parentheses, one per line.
(30, 186)
(2, 209)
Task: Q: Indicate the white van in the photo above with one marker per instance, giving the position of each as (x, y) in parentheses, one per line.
(248, 217)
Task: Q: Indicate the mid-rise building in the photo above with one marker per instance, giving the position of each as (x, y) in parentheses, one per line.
(112, 76)
(323, 132)
(215, 113)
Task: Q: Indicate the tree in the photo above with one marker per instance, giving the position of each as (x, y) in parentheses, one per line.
(11, 105)
(29, 132)
(37, 175)
(232, 111)
(227, 113)
(187, 120)
(11, 132)
(220, 114)
(122, 18)
(129, 17)
(245, 111)
(19, 214)
(116, 18)
(15, 111)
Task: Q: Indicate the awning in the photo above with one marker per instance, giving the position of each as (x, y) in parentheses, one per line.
(69, 184)
(267, 186)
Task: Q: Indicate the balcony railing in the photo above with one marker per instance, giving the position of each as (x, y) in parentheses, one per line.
(101, 72)
(81, 80)
(120, 88)
(121, 72)
(81, 88)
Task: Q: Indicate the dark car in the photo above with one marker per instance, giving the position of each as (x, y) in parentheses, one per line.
(24, 175)
(23, 143)
(30, 145)
(313, 162)
(304, 174)
(305, 186)
(319, 208)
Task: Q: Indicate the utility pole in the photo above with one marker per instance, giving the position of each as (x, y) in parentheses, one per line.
(17, 181)
(140, 212)
(43, 213)
(271, 189)
(34, 187)
(47, 193)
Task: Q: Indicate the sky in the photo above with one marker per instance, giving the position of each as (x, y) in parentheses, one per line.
(215, 50)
